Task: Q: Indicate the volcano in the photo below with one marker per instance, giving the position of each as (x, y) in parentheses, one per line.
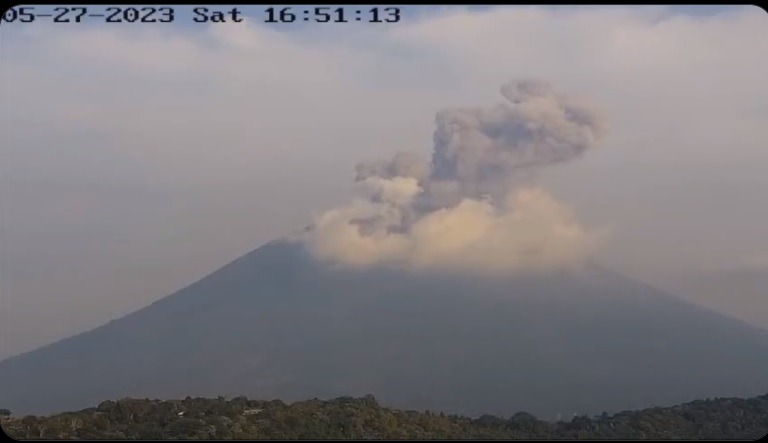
(277, 324)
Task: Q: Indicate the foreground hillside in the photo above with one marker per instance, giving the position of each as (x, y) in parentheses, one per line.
(364, 418)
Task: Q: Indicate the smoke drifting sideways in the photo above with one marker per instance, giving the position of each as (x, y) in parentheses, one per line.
(475, 207)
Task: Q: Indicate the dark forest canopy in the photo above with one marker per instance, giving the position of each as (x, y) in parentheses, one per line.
(364, 418)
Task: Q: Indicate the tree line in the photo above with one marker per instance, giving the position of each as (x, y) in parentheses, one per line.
(365, 418)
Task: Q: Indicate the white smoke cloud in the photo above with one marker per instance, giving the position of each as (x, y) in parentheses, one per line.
(472, 207)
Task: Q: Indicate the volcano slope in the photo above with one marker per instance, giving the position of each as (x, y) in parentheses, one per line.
(276, 324)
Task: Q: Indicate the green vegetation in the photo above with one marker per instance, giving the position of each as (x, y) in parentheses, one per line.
(364, 418)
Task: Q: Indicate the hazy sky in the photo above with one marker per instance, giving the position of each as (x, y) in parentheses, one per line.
(135, 159)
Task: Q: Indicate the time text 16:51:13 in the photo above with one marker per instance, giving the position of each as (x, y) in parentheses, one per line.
(327, 14)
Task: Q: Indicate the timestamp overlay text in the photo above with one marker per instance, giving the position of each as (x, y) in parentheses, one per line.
(27, 14)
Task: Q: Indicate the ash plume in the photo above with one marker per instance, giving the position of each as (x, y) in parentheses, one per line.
(472, 206)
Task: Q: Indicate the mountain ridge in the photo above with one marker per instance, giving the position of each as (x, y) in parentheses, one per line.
(274, 322)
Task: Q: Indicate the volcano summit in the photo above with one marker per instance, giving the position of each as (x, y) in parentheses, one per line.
(454, 285)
